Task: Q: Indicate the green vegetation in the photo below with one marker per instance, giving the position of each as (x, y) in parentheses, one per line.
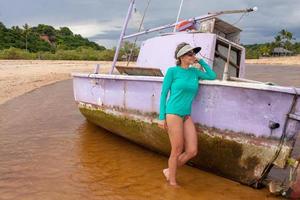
(47, 43)
(283, 39)
(80, 53)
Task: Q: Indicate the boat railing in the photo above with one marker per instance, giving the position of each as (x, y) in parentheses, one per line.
(231, 78)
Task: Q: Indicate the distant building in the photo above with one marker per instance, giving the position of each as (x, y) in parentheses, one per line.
(280, 51)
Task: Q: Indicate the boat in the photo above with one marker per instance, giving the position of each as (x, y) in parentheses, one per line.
(245, 127)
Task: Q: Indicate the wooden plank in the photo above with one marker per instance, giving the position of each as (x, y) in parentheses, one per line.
(139, 71)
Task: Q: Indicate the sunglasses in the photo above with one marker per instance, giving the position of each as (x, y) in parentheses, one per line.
(190, 53)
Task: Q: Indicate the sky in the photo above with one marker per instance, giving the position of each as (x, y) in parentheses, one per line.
(102, 20)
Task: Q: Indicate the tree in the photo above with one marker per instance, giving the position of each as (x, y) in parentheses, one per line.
(129, 51)
(26, 32)
(65, 31)
(265, 50)
(284, 39)
(29, 38)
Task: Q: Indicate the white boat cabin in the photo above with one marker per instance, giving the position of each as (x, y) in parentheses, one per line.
(215, 36)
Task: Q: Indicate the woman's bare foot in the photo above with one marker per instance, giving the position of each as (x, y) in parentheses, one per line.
(166, 173)
(174, 184)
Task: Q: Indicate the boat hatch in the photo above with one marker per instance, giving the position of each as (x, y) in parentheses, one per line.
(139, 71)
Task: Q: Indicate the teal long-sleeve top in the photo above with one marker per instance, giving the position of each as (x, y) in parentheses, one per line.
(183, 84)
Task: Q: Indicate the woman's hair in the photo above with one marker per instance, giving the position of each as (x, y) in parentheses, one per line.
(179, 46)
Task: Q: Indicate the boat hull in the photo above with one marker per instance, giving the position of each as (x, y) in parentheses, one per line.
(228, 154)
(241, 152)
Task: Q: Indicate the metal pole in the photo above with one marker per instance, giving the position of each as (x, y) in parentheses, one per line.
(122, 35)
(225, 74)
(198, 18)
(168, 26)
(179, 11)
(97, 69)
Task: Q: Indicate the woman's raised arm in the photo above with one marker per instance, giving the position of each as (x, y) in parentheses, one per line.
(209, 74)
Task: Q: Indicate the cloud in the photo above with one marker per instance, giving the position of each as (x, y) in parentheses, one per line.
(102, 20)
(93, 28)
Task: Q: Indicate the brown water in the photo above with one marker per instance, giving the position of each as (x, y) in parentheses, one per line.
(279, 74)
(49, 151)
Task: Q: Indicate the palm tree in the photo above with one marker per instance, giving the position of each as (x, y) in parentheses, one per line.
(26, 31)
(284, 39)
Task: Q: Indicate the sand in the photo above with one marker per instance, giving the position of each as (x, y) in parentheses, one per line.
(288, 60)
(20, 76)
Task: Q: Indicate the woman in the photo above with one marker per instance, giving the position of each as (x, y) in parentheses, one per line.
(182, 82)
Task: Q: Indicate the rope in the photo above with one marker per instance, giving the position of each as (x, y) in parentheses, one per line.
(140, 27)
(243, 15)
(280, 144)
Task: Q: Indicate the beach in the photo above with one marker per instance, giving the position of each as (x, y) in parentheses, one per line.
(284, 60)
(20, 76)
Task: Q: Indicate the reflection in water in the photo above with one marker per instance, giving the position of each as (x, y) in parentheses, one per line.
(49, 151)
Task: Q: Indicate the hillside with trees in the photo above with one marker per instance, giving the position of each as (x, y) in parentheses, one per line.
(42, 38)
(46, 42)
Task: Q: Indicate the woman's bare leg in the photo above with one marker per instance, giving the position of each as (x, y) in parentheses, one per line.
(190, 145)
(190, 142)
(175, 131)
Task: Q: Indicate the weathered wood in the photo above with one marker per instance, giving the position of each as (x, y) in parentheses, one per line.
(139, 71)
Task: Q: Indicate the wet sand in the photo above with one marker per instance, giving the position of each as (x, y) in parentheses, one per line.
(49, 151)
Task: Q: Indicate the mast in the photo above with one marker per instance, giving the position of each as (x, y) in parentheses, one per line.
(122, 35)
(199, 18)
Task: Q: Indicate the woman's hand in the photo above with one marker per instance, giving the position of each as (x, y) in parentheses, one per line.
(196, 60)
(163, 124)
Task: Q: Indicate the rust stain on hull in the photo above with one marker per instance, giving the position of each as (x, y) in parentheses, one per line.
(228, 154)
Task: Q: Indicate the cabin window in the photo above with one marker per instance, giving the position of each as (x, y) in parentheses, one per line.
(220, 60)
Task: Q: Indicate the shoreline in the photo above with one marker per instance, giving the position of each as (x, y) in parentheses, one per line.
(285, 60)
(18, 77)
